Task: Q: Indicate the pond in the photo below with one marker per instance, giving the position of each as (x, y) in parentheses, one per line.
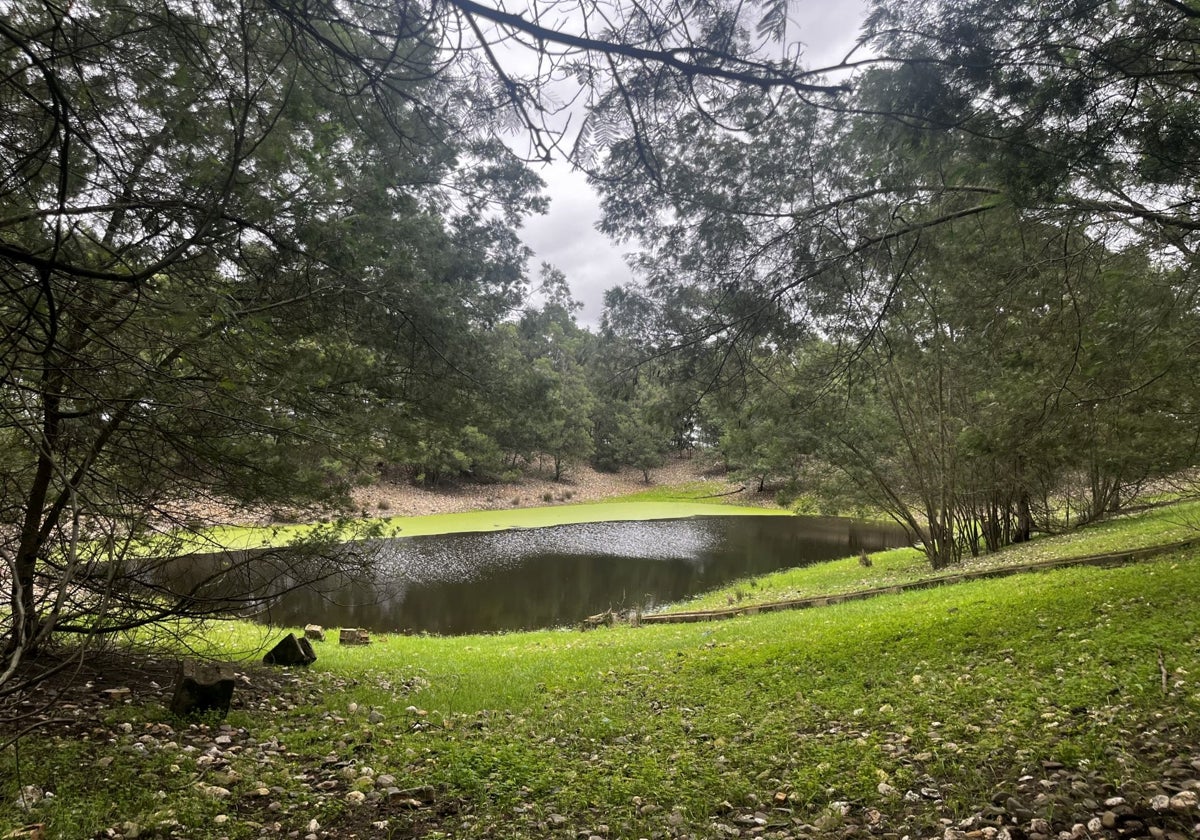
(550, 577)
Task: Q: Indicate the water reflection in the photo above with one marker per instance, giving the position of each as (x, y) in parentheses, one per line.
(547, 577)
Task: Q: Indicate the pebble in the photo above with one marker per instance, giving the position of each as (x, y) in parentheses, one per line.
(1184, 801)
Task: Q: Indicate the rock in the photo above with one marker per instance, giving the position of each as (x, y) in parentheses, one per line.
(886, 790)
(29, 796)
(1160, 802)
(291, 651)
(356, 797)
(314, 632)
(195, 697)
(400, 799)
(1184, 801)
(375, 717)
(556, 820)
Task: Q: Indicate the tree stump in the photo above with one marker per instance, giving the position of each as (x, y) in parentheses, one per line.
(314, 632)
(199, 693)
(354, 636)
(291, 651)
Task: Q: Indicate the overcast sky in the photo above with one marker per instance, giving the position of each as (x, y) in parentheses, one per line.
(567, 235)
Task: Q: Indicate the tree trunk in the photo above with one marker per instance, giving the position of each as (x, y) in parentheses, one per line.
(22, 597)
(1024, 519)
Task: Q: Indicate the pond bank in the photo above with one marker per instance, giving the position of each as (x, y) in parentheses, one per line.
(681, 615)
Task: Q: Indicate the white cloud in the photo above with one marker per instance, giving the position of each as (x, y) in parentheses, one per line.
(567, 237)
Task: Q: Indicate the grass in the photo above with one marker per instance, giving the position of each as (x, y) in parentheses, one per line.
(709, 492)
(648, 731)
(626, 509)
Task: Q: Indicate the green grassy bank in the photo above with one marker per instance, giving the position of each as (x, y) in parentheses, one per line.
(669, 504)
(996, 702)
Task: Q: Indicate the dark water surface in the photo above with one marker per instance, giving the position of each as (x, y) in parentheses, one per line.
(548, 577)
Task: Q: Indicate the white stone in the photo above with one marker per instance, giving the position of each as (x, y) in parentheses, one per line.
(1184, 800)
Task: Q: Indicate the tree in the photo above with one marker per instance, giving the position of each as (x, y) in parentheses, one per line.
(978, 405)
(764, 435)
(555, 397)
(1086, 105)
(220, 242)
(1057, 128)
